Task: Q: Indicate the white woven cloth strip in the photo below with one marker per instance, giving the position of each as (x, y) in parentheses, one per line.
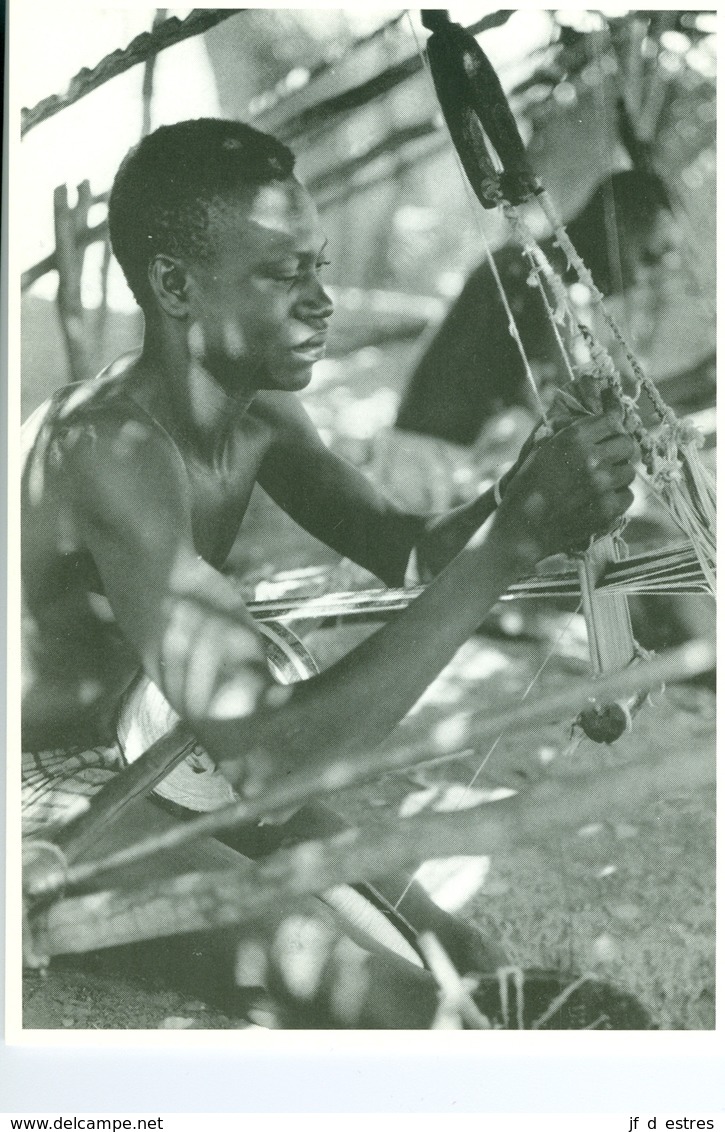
(195, 783)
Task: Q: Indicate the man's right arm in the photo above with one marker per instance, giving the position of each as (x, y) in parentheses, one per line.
(569, 488)
(198, 643)
(187, 623)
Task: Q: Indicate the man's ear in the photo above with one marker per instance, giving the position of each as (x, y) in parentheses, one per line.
(169, 282)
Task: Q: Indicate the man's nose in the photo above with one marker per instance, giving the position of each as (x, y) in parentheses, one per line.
(315, 302)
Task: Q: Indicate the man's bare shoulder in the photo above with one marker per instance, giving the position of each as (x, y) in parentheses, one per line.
(99, 416)
(94, 438)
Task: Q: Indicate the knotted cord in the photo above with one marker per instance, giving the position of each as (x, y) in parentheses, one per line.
(670, 457)
(492, 194)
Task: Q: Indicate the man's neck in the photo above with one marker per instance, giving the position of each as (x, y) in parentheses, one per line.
(185, 398)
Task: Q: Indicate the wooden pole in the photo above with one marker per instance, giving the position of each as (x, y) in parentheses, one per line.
(134, 782)
(140, 49)
(71, 227)
(50, 263)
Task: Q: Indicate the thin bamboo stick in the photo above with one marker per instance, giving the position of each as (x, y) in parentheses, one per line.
(134, 782)
(676, 568)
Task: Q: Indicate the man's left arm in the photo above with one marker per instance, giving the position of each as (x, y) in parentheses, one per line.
(336, 503)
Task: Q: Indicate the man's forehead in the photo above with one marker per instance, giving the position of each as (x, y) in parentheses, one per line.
(270, 216)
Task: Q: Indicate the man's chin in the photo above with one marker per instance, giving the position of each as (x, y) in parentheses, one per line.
(238, 381)
(292, 379)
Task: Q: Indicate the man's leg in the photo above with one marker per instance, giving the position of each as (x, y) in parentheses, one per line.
(317, 978)
(469, 949)
(394, 894)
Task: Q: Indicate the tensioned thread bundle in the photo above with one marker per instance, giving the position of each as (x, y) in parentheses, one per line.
(671, 457)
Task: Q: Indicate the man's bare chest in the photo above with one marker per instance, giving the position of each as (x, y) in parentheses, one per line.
(220, 492)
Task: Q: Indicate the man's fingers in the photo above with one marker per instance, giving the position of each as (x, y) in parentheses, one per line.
(623, 474)
(577, 484)
(599, 429)
(614, 504)
(603, 513)
(610, 403)
(619, 446)
(623, 499)
(590, 432)
(612, 476)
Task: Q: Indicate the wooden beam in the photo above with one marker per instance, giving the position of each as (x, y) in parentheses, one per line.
(134, 782)
(87, 237)
(143, 47)
(295, 113)
(281, 117)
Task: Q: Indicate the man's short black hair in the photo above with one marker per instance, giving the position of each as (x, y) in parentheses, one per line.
(162, 192)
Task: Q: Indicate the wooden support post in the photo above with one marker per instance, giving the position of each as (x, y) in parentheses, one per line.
(71, 225)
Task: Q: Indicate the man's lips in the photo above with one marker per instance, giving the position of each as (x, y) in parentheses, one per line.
(312, 349)
(316, 342)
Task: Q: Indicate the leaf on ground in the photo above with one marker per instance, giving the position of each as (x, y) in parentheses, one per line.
(452, 881)
(459, 797)
(605, 949)
(451, 797)
(590, 830)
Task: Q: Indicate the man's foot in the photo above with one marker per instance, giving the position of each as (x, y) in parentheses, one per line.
(467, 946)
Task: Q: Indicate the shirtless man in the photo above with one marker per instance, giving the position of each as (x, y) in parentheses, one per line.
(136, 484)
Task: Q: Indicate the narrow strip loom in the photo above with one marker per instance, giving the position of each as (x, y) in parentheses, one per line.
(493, 156)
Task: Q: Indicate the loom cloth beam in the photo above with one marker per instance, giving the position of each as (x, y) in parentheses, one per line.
(671, 571)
